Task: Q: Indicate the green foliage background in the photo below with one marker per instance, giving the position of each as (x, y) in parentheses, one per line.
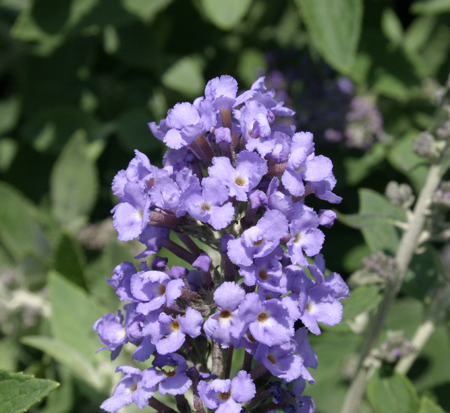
(80, 80)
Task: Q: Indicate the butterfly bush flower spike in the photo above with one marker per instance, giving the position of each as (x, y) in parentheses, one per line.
(232, 202)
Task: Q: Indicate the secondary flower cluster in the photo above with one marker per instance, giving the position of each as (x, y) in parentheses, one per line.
(335, 112)
(237, 181)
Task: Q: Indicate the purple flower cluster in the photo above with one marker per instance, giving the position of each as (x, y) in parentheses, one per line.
(237, 181)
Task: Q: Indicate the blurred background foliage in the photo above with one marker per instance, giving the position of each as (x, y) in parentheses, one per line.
(80, 80)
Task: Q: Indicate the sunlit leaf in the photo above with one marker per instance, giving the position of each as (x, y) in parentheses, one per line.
(19, 392)
(19, 231)
(392, 394)
(428, 406)
(73, 315)
(144, 9)
(73, 183)
(185, 76)
(226, 14)
(335, 28)
(66, 355)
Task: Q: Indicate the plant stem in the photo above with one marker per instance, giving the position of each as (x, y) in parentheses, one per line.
(219, 360)
(159, 406)
(408, 245)
(421, 336)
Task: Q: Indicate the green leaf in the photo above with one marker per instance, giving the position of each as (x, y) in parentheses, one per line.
(51, 15)
(9, 354)
(50, 129)
(27, 30)
(335, 28)
(73, 183)
(391, 72)
(69, 260)
(418, 33)
(48, 22)
(61, 401)
(226, 14)
(429, 406)
(422, 273)
(375, 219)
(392, 26)
(431, 7)
(68, 356)
(19, 392)
(402, 157)
(406, 315)
(332, 349)
(9, 113)
(133, 131)
(361, 299)
(73, 315)
(358, 168)
(19, 231)
(436, 357)
(8, 151)
(435, 53)
(144, 9)
(185, 76)
(392, 394)
(114, 253)
(249, 62)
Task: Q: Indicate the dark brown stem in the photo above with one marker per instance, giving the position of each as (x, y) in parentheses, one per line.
(182, 404)
(159, 406)
(187, 240)
(229, 362)
(260, 372)
(247, 365)
(179, 251)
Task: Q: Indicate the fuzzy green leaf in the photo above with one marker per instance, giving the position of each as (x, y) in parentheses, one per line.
(392, 394)
(19, 392)
(73, 183)
(225, 14)
(335, 29)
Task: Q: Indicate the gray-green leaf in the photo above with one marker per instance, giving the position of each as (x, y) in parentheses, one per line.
(226, 14)
(73, 183)
(19, 392)
(335, 28)
(392, 394)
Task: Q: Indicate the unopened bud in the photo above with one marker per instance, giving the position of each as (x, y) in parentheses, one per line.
(442, 195)
(380, 263)
(423, 145)
(395, 346)
(399, 194)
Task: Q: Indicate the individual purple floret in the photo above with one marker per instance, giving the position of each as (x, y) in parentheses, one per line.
(250, 168)
(259, 240)
(173, 381)
(173, 331)
(305, 238)
(208, 203)
(184, 123)
(225, 325)
(268, 321)
(111, 333)
(226, 395)
(153, 289)
(132, 214)
(120, 280)
(131, 389)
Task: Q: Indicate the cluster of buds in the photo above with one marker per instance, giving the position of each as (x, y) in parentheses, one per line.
(238, 182)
